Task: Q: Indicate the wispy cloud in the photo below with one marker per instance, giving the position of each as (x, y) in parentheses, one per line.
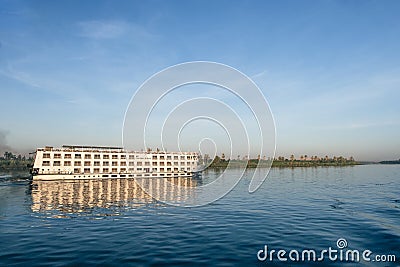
(20, 77)
(46, 86)
(258, 75)
(98, 29)
(113, 29)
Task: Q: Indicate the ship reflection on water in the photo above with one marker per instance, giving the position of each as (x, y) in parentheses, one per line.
(106, 195)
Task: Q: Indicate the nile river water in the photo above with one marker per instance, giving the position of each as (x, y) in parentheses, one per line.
(113, 222)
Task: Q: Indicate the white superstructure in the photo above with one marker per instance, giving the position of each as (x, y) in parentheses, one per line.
(93, 162)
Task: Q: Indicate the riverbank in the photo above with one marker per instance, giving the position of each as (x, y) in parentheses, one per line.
(15, 164)
(282, 164)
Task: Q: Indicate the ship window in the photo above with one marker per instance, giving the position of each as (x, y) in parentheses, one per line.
(77, 163)
(176, 163)
(87, 163)
(67, 156)
(105, 163)
(168, 169)
(77, 156)
(154, 157)
(97, 156)
(131, 163)
(161, 163)
(139, 163)
(114, 156)
(123, 169)
(169, 163)
(175, 157)
(123, 163)
(114, 170)
(161, 157)
(175, 169)
(115, 163)
(46, 163)
(139, 169)
(96, 170)
(154, 163)
(106, 156)
(131, 169)
(67, 163)
(97, 163)
(56, 163)
(123, 156)
(147, 163)
(88, 156)
(105, 169)
(168, 157)
(182, 157)
(131, 156)
(46, 155)
(161, 169)
(86, 170)
(77, 170)
(57, 156)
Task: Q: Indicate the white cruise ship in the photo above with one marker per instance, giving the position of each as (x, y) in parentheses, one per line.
(96, 162)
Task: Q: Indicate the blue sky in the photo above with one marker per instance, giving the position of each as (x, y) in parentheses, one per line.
(330, 70)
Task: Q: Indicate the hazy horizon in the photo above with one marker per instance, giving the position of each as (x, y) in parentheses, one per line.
(329, 70)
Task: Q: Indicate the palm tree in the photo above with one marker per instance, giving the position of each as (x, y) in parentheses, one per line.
(301, 157)
(292, 157)
(305, 157)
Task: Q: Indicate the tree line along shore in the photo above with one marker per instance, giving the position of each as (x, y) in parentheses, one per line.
(11, 161)
(15, 162)
(302, 161)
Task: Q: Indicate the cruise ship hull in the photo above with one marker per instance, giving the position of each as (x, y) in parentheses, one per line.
(89, 162)
(52, 177)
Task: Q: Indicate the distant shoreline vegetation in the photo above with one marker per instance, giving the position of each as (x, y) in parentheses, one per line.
(303, 161)
(15, 162)
(390, 162)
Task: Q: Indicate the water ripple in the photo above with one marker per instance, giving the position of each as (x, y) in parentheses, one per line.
(115, 223)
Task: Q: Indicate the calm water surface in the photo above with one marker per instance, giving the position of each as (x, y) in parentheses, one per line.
(113, 222)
